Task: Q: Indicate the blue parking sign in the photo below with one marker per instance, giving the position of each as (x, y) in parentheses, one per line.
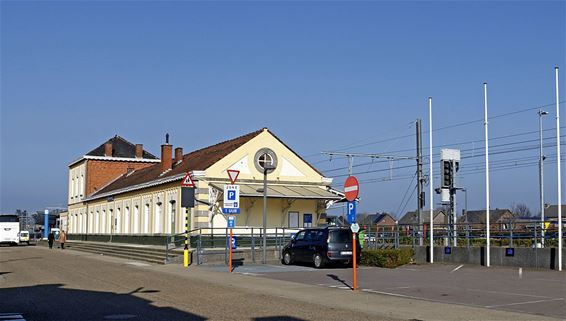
(231, 221)
(233, 242)
(351, 206)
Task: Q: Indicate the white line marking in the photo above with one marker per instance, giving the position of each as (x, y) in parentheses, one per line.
(510, 293)
(138, 264)
(249, 273)
(393, 294)
(519, 303)
(398, 288)
(520, 273)
(457, 268)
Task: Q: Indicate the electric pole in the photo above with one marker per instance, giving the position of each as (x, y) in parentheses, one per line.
(420, 193)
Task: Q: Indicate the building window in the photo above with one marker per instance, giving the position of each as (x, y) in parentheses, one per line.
(81, 185)
(146, 219)
(157, 218)
(127, 220)
(118, 221)
(307, 220)
(172, 213)
(136, 219)
(293, 219)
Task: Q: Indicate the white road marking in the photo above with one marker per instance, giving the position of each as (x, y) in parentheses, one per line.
(509, 293)
(520, 273)
(520, 303)
(398, 287)
(394, 294)
(249, 273)
(138, 264)
(457, 268)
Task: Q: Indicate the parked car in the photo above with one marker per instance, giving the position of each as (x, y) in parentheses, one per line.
(321, 246)
(24, 237)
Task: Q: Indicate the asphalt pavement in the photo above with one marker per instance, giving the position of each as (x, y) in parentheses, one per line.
(42, 284)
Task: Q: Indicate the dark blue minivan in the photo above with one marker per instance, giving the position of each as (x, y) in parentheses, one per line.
(321, 246)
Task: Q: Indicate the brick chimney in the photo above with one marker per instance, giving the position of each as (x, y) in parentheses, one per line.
(178, 154)
(108, 149)
(166, 155)
(139, 151)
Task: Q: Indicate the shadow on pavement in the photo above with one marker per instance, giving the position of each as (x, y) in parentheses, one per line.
(337, 278)
(54, 302)
(278, 318)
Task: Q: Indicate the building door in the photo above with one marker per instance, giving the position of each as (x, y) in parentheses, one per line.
(157, 218)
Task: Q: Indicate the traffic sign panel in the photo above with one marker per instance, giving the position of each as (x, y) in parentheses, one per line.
(351, 206)
(233, 175)
(187, 181)
(351, 188)
(231, 199)
(355, 227)
(231, 221)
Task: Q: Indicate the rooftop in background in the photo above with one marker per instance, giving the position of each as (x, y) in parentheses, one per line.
(120, 148)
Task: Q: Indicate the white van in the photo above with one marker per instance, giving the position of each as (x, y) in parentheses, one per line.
(24, 237)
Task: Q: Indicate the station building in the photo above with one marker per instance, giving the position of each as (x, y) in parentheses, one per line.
(121, 190)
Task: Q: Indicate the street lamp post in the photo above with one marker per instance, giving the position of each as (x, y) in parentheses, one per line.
(541, 173)
(266, 169)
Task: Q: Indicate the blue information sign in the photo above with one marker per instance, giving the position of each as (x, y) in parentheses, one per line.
(234, 244)
(351, 206)
(231, 210)
(231, 221)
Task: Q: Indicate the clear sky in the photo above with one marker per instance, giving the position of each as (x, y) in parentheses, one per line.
(320, 75)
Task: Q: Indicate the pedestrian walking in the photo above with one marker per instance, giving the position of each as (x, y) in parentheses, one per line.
(62, 239)
(50, 239)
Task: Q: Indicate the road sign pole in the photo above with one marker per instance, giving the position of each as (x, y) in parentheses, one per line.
(354, 258)
(230, 256)
(186, 250)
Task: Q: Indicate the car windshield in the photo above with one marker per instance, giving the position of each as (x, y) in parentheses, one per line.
(340, 236)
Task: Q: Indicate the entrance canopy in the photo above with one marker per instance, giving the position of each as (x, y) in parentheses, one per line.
(286, 191)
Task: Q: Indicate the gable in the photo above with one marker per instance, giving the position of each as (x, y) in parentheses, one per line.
(289, 165)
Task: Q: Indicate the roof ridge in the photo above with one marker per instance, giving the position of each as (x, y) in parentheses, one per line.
(226, 141)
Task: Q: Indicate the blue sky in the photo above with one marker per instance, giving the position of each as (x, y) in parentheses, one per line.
(339, 74)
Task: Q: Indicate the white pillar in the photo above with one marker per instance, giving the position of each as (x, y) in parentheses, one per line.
(488, 243)
(558, 173)
(431, 179)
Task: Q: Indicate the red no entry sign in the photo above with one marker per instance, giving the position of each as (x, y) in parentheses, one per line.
(351, 188)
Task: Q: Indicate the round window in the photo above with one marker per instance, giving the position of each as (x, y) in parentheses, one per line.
(265, 159)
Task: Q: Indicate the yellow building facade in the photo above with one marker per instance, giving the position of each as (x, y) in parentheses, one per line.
(147, 201)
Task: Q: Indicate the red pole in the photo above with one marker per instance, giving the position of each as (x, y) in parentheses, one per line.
(230, 257)
(354, 261)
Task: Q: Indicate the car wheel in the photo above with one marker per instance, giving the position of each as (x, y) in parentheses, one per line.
(287, 259)
(318, 261)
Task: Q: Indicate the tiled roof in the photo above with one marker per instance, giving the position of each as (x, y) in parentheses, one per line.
(120, 148)
(479, 216)
(197, 160)
(411, 217)
(552, 211)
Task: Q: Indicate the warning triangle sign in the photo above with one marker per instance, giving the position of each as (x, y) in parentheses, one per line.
(233, 174)
(187, 181)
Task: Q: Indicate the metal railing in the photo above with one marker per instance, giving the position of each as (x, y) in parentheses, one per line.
(205, 241)
(505, 234)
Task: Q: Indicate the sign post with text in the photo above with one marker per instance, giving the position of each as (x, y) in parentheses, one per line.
(231, 206)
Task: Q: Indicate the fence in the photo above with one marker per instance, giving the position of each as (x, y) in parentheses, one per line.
(532, 234)
(508, 234)
(213, 241)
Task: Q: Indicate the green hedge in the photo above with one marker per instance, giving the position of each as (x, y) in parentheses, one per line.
(388, 258)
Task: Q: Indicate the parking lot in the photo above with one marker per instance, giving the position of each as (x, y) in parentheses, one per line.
(537, 292)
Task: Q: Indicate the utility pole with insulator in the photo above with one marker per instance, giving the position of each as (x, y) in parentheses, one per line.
(420, 193)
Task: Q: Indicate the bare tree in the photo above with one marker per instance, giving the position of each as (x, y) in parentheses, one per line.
(520, 210)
